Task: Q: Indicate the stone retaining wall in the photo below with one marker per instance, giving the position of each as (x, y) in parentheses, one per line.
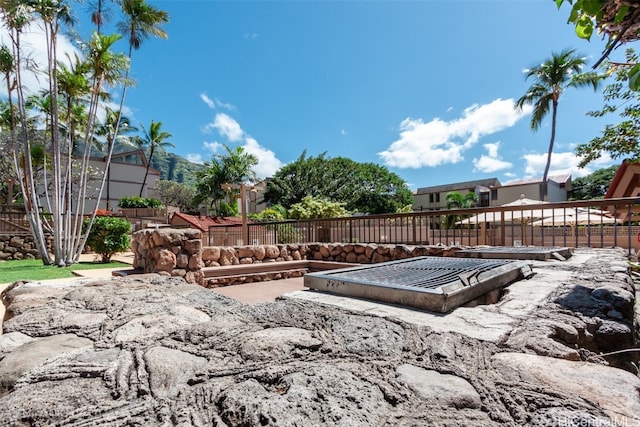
(374, 253)
(170, 252)
(18, 247)
(179, 252)
(214, 256)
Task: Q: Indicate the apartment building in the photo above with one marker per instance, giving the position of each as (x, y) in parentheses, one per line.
(491, 192)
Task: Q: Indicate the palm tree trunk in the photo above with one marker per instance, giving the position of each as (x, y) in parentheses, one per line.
(545, 176)
(28, 186)
(146, 172)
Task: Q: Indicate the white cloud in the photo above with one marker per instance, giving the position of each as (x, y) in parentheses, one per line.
(226, 126)
(225, 105)
(213, 147)
(34, 43)
(268, 163)
(35, 49)
(440, 142)
(210, 102)
(490, 162)
(492, 149)
(562, 163)
(214, 103)
(210, 147)
(195, 158)
(343, 132)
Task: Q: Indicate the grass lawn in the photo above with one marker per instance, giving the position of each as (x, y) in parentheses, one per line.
(33, 269)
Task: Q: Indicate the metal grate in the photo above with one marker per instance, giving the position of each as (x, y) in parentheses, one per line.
(432, 283)
(517, 252)
(425, 273)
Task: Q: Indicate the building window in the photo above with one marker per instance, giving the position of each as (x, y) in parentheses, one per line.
(494, 194)
(437, 197)
(430, 198)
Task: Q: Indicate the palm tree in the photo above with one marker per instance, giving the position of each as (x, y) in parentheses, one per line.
(238, 165)
(455, 199)
(153, 138)
(142, 21)
(233, 167)
(561, 71)
(100, 14)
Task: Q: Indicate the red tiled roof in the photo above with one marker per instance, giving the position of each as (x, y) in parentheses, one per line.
(204, 222)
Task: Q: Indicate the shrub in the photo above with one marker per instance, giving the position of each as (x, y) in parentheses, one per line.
(273, 213)
(108, 236)
(139, 202)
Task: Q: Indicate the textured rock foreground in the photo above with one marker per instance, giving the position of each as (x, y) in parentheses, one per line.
(159, 351)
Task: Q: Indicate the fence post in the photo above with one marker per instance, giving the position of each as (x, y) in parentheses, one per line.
(413, 223)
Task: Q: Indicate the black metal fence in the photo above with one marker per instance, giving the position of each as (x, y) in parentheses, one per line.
(594, 223)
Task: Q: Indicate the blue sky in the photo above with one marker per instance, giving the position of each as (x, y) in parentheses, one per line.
(425, 88)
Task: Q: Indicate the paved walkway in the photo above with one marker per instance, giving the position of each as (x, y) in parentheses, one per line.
(259, 292)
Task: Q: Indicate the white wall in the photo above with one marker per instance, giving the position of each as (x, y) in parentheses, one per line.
(126, 180)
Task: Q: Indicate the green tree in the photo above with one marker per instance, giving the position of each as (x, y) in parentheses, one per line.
(75, 92)
(373, 189)
(103, 68)
(235, 166)
(307, 176)
(176, 194)
(317, 207)
(619, 140)
(616, 20)
(551, 78)
(154, 138)
(594, 185)
(362, 187)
